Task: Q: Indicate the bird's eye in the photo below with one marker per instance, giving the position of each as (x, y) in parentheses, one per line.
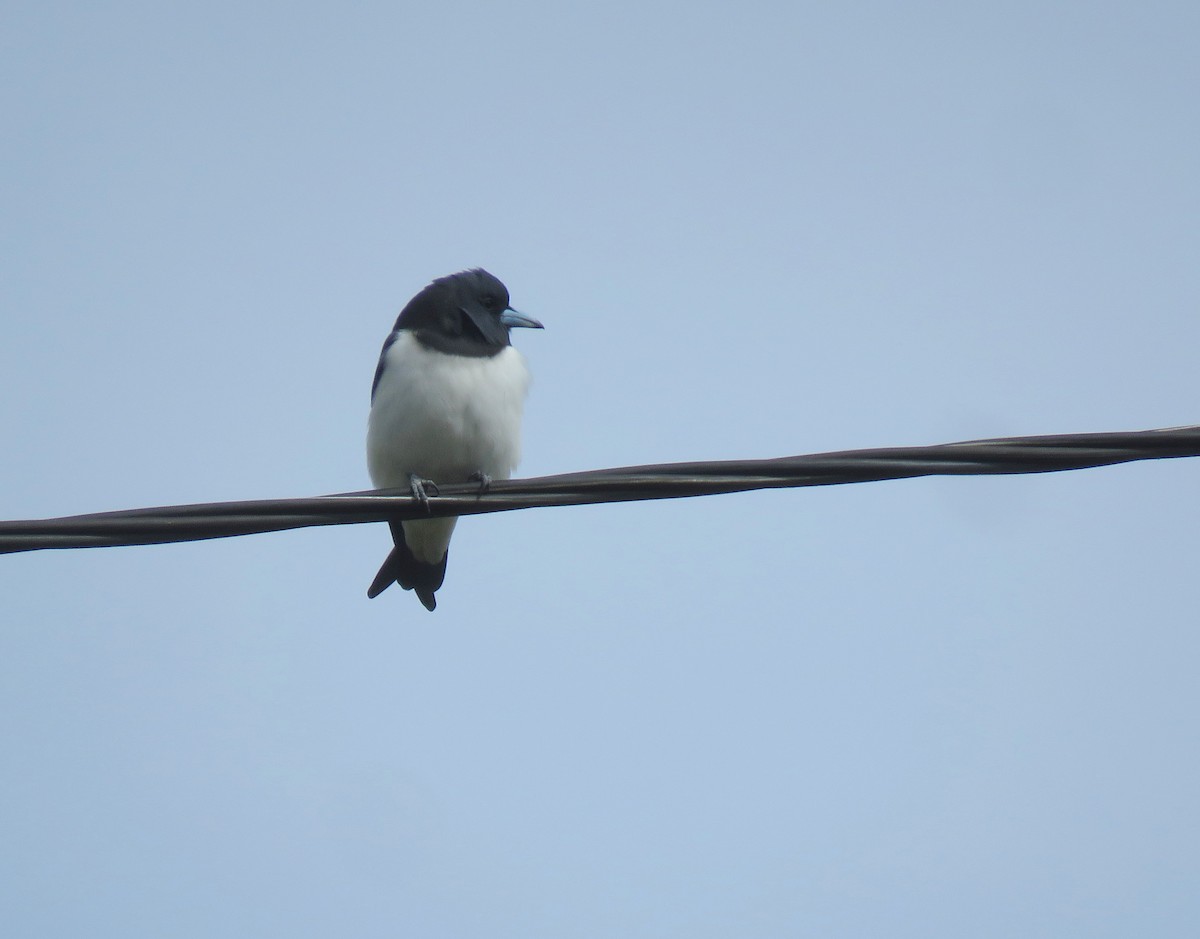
(488, 300)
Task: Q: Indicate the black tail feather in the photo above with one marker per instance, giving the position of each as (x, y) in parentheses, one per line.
(404, 569)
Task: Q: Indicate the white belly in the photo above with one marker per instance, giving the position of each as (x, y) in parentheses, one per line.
(444, 417)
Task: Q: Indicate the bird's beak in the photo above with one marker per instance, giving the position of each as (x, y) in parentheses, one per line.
(495, 328)
(511, 318)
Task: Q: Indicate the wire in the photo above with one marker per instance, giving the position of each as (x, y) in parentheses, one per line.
(1005, 455)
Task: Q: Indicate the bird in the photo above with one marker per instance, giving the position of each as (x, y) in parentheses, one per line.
(446, 407)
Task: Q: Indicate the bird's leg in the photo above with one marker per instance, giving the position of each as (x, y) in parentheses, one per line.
(484, 480)
(422, 489)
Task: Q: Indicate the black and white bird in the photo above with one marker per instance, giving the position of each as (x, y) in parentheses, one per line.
(445, 407)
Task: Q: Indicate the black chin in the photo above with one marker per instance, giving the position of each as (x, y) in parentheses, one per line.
(470, 343)
(483, 323)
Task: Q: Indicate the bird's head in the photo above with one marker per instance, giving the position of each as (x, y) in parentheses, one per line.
(467, 313)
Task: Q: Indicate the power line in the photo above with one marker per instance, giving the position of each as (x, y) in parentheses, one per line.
(1003, 455)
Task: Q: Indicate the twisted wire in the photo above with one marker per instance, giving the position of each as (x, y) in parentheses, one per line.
(1003, 455)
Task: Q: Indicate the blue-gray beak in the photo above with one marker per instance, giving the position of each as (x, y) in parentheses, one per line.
(511, 318)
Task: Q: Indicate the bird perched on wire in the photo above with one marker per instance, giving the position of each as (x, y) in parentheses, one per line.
(445, 408)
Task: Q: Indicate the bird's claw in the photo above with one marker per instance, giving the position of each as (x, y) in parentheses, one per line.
(484, 480)
(422, 489)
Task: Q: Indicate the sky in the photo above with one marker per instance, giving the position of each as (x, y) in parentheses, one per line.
(940, 707)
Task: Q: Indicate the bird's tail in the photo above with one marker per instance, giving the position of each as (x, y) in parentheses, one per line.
(402, 568)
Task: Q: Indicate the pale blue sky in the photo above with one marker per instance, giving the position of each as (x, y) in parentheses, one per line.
(928, 708)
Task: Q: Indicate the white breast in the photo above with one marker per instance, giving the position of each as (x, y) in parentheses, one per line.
(444, 417)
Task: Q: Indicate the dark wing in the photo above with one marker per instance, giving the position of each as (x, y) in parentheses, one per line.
(387, 344)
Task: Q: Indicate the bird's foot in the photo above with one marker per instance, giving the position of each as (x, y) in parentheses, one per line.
(422, 489)
(484, 480)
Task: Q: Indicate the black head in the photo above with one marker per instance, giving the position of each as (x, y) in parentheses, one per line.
(463, 314)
